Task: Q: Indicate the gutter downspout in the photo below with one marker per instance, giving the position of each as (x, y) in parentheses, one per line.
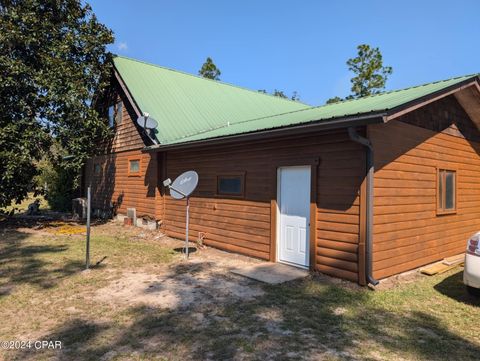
(354, 136)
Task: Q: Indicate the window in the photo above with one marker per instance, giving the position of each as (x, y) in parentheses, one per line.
(119, 113)
(111, 116)
(446, 191)
(134, 167)
(97, 168)
(115, 113)
(233, 185)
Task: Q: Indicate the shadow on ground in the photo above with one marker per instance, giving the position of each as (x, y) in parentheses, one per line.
(300, 320)
(22, 263)
(454, 288)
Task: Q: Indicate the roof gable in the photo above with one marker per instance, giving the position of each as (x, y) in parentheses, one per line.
(186, 105)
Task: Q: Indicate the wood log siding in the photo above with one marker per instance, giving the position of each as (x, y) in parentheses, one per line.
(127, 134)
(407, 231)
(114, 185)
(243, 224)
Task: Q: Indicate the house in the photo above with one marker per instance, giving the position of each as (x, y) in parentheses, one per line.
(362, 189)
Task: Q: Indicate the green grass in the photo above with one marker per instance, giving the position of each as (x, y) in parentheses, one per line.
(45, 295)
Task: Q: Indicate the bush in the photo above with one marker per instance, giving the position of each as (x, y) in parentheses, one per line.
(57, 184)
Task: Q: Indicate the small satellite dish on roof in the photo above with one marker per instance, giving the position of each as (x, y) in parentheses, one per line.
(182, 187)
(146, 121)
(149, 124)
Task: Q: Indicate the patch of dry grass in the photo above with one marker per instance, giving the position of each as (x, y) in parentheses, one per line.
(45, 294)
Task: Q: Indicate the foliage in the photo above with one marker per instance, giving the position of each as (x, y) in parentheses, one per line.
(59, 193)
(370, 76)
(295, 96)
(334, 100)
(56, 183)
(53, 62)
(209, 70)
(281, 94)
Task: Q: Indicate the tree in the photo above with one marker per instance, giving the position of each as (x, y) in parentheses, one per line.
(334, 100)
(53, 63)
(295, 96)
(370, 74)
(279, 93)
(209, 70)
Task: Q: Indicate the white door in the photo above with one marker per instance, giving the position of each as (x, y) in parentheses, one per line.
(294, 215)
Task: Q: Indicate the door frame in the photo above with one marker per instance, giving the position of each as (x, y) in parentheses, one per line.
(275, 211)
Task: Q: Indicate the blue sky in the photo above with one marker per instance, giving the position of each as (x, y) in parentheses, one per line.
(299, 45)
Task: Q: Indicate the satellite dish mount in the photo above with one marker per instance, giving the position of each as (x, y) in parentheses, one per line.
(148, 124)
(181, 188)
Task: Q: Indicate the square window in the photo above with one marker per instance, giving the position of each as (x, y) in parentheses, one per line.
(97, 168)
(446, 191)
(233, 185)
(134, 167)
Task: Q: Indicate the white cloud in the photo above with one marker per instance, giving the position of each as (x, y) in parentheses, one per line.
(122, 46)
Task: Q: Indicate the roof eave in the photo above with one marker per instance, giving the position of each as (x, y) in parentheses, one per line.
(430, 98)
(315, 125)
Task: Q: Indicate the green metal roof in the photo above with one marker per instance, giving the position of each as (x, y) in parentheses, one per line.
(185, 104)
(367, 105)
(191, 108)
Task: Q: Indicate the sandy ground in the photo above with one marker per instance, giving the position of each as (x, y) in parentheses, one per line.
(179, 286)
(202, 278)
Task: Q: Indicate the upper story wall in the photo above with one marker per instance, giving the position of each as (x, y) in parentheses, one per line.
(127, 134)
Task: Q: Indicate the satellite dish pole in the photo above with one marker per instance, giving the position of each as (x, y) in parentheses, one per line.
(181, 188)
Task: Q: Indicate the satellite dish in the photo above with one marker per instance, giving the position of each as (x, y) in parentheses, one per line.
(147, 122)
(181, 188)
(184, 185)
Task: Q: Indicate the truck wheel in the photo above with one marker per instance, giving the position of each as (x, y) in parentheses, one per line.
(473, 291)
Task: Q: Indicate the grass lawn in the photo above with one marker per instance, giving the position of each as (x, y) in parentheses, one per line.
(44, 295)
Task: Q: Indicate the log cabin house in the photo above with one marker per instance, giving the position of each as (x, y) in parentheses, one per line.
(361, 189)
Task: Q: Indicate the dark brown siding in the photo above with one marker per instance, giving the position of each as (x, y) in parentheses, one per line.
(244, 224)
(127, 135)
(114, 184)
(407, 231)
